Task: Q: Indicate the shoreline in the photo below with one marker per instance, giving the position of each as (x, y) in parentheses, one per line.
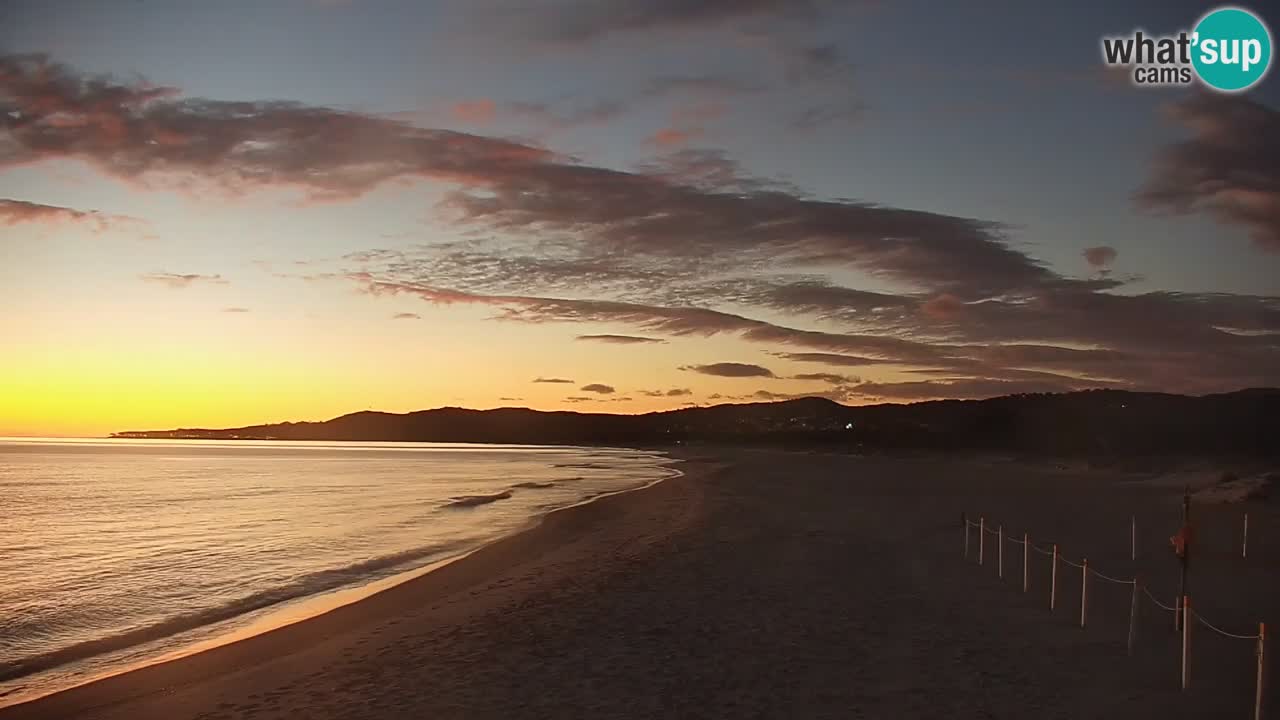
(296, 629)
(766, 584)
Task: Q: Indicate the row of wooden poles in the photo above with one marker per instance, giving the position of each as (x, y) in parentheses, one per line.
(1181, 608)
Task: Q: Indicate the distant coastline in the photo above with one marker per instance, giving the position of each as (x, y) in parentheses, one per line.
(1091, 422)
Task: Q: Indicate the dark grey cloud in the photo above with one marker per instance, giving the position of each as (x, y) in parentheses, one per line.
(831, 378)
(181, 280)
(598, 388)
(611, 214)
(731, 369)
(562, 381)
(711, 170)
(621, 339)
(1229, 168)
(831, 359)
(1191, 343)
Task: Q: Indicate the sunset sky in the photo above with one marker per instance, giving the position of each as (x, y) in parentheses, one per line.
(223, 213)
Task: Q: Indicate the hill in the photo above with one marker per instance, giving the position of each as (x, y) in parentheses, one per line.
(1107, 422)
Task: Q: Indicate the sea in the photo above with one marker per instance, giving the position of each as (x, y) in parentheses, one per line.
(120, 553)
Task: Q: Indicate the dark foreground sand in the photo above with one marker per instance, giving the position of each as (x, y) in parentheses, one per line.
(761, 585)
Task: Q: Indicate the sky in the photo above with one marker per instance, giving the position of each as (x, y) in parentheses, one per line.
(220, 214)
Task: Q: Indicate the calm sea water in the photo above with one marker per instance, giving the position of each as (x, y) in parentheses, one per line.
(120, 552)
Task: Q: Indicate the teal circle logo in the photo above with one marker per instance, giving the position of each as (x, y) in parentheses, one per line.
(1231, 49)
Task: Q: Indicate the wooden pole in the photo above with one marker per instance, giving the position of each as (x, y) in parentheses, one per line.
(1186, 641)
(1084, 589)
(1178, 619)
(982, 539)
(1133, 537)
(1026, 567)
(1053, 581)
(1000, 532)
(1244, 542)
(964, 520)
(1133, 614)
(1258, 691)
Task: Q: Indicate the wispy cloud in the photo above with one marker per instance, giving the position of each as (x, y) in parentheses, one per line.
(235, 310)
(831, 378)
(731, 370)
(556, 380)
(14, 212)
(406, 316)
(139, 132)
(673, 392)
(621, 339)
(831, 359)
(182, 280)
(598, 388)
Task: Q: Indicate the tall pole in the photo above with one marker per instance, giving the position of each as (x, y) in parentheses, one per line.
(1186, 642)
(982, 539)
(1133, 613)
(1053, 580)
(1000, 554)
(1258, 692)
(964, 520)
(1179, 617)
(1084, 589)
(1026, 566)
(1133, 537)
(1244, 542)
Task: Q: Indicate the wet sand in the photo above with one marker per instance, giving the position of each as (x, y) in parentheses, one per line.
(764, 584)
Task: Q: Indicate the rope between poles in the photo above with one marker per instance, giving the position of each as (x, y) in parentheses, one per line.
(1114, 580)
(1041, 550)
(1219, 630)
(1069, 562)
(1159, 604)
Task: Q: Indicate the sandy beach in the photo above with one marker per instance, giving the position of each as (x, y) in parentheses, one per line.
(766, 584)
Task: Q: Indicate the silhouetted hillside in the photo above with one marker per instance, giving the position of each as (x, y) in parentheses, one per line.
(1107, 422)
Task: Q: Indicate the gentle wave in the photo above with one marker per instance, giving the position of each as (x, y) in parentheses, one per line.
(531, 485)
(305, 586)
(466, 501)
